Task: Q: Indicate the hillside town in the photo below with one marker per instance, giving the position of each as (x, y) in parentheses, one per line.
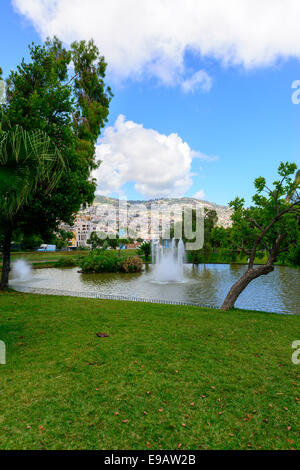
(142, 220)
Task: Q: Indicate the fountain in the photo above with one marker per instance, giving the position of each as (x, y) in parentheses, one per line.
(21, 271)
(168, 261)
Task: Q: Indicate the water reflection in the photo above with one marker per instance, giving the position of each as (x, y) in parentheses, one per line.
(204, 284)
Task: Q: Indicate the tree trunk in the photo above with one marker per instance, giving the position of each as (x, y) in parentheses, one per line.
(6, 259)
(243, 282)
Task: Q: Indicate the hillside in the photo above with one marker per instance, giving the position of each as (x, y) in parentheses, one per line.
(223, 212)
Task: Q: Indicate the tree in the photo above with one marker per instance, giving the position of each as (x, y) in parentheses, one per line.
(62, 239)
(270, 226)
(30, 242)
(220, 238)
(113, 242)
(61, 92)
(95, 241)
(145, 250)
(210, 220)
(27, 160)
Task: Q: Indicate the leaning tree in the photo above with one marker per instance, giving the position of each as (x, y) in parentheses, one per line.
(270, 226)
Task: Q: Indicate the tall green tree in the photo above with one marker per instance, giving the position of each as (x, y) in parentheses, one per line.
(210, 221)
(63, 93)
(28, 159)
(270, 226)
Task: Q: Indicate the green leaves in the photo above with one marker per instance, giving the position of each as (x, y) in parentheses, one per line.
(27, 159)
(237, 204)
(145, 250)
(286, 169)
(275, 212)
(260, 183)
(93, 97)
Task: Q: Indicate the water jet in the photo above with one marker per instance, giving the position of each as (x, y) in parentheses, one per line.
(168, 261)
(21, 271)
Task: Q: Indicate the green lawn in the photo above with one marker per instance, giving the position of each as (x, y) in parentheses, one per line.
(167, 377)
(55, 255)
(220, 258)
(46, 256)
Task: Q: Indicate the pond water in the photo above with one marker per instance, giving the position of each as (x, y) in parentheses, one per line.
(204, 284)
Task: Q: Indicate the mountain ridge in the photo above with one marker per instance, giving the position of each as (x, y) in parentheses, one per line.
(106, 200)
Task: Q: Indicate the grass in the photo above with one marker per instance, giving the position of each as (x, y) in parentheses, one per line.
(166, 377)
(55, 255)
(220, 258)
(46, 256)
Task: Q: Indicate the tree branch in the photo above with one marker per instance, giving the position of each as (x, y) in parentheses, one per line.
(276, 247)
(76, 75)
(266, 229)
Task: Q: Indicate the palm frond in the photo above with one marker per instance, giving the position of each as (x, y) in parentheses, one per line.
(27, 159)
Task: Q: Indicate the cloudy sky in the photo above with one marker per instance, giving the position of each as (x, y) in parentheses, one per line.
(202, 89)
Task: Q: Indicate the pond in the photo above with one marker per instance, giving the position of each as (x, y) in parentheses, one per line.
(204, 285)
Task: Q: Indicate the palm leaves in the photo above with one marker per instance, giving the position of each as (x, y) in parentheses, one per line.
(28, 160)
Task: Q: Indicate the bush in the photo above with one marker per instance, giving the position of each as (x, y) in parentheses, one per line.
(110, 262)
(145, 250)
(98, 262)
(132, 264)
(67, 262)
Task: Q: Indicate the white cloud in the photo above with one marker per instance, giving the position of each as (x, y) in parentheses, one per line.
(139, 37)
(158, 164)
(200, 195)
(200, 79)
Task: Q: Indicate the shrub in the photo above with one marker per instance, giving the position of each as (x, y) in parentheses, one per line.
(145, 250)
(132, 264)
(67, 262)
(110, 262)
(101, 261)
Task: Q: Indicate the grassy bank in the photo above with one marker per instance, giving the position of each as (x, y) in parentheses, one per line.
(217, 258)
(166, 377)
(34, 256)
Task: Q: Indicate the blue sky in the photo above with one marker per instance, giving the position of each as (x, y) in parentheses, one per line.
(235, 122)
